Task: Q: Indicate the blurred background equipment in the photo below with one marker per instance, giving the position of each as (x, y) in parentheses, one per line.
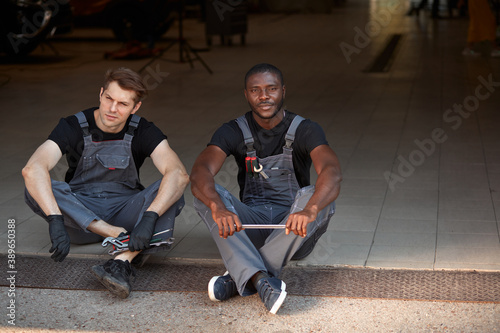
(225, 19)
(139, 24)
(186, 51)
(25, 24)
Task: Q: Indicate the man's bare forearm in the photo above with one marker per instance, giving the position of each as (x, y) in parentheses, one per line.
(203, 188)
(326, 191)
(39, 185)
(171, 189)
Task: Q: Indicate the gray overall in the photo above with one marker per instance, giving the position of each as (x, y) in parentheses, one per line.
(265, 201)
(106, 187)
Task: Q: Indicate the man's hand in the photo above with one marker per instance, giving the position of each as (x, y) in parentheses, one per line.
(59, 238)
(227, 221)
(140, 237)
(297, 222)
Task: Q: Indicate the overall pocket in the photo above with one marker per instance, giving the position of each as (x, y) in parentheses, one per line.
(112, 168)
(280, 185)
(113, 162)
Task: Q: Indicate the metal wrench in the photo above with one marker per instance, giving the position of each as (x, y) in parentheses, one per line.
(154, 242)
(261, 171)
(120, 244)
(263, 226)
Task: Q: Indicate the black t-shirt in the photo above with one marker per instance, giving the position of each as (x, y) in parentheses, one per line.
(68, 135)
(308, 136)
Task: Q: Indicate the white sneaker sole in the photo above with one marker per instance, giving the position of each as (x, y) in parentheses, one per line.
(211, 284)
(280, 300)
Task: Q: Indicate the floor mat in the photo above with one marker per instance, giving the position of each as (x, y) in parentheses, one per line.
(74, 274)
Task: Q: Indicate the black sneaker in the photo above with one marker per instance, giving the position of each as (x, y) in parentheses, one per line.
(115, 276)
(221, 288)
(272, 293)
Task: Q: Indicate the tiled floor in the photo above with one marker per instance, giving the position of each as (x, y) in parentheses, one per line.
(421, 180)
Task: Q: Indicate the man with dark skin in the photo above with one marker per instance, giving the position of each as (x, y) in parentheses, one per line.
(274, 149)
(102, 195)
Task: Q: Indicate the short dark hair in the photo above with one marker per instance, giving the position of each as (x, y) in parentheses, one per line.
(264, 68)
(127, 79)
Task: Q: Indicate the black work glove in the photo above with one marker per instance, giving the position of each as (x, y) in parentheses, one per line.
(59, 238)
(140, 237)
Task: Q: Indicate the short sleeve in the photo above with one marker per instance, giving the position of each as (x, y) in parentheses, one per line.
(227, 137)
(309, 136)
(66, 134)
(150, 137)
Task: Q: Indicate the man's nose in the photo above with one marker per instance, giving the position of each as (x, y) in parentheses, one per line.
(263, 94)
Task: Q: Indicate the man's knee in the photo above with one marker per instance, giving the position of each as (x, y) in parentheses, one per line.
(179, 205)
(322, 222)
(151, 190)
(308, 245)
(167, 219)
(222, 191)
(60, 188)
(226, 197)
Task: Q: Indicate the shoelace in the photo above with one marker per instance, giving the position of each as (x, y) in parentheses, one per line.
(268, 290)
(230, 284)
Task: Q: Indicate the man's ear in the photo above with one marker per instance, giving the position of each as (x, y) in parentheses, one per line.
(100, 93)
(284, 91)
(136, 107)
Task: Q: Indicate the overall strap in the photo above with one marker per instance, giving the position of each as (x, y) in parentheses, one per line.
(134, 122)
(290, 134)
(247, 135)
(82, 120)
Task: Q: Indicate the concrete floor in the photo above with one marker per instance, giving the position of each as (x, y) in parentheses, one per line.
(421, 180)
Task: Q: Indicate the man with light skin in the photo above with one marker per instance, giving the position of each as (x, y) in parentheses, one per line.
(102, 195)
(274, 149)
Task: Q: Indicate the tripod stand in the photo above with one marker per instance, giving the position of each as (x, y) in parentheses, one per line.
(185, 49)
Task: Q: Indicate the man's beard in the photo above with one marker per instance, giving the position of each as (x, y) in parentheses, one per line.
(278, 109)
